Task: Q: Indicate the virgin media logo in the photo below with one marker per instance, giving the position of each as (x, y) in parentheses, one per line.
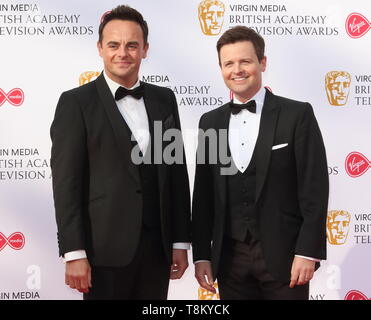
(355, 295)
(16, 241)
(15, 97)
(357, 25)
(356, 164)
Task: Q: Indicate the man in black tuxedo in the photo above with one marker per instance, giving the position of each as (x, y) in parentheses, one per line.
(263, 227)
(123, 226)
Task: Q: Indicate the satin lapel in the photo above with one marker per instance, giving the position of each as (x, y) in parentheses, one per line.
(222, 124)
(118, 124)
(152, 104)
(268, 123)
(155, 118)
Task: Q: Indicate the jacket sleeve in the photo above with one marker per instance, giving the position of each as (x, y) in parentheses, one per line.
(180, 189)
(68, 164)
(203, 200)
(313, 186)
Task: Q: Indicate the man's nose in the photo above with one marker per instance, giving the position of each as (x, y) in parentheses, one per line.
(237, 68)
(122, 52)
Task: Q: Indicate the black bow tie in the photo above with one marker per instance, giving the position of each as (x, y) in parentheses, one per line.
(236, 108)
(136, 93)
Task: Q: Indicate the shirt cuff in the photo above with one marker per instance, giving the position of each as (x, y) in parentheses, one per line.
(182, 245)
(74, 255)
(201, 261)
(309, 258)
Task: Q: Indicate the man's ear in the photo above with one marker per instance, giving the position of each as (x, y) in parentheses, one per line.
(99, 46)
(263, 63)
(145, 49)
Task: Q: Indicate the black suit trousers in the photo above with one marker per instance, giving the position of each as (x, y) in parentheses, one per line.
(243, 275)
(145, 278)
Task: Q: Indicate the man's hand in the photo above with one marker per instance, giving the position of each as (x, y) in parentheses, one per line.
(180, 263)
(78, 275)
(203, 269)
(302, 271)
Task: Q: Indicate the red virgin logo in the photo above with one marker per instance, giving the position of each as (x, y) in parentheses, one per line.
(16, 241)
(356, 164)
(355, 295)
(14, 97)
(357, 25)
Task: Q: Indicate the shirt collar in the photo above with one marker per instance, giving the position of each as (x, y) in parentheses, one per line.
(258, 97)
(113, 86)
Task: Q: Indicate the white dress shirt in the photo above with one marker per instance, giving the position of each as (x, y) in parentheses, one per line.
(243, 131)
(135, 115)
(243, 134)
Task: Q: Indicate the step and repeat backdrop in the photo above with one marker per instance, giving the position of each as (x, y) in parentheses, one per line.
(317, 51)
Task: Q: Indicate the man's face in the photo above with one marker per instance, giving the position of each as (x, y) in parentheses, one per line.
(339, 90)
(122, 50)
(212, 20)
(241, 69)
(338, 229)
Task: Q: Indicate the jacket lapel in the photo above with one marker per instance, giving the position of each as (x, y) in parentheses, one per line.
(118, 124)
(223, 124)
(152, 104)
(268, 123)
(155, 119)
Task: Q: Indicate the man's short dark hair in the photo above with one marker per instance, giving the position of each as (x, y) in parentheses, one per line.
(124, 13)
(242, 33)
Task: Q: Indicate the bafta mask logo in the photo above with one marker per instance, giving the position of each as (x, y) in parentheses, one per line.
(338, 224)
(88, 76)
(338, 87)
(211, 16)
(204, 294)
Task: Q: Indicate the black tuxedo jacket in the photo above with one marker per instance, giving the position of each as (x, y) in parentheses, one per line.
(291, 188)
(97, 188)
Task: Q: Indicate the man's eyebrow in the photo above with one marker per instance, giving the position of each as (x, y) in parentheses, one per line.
(112, 42)
(132, 42)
